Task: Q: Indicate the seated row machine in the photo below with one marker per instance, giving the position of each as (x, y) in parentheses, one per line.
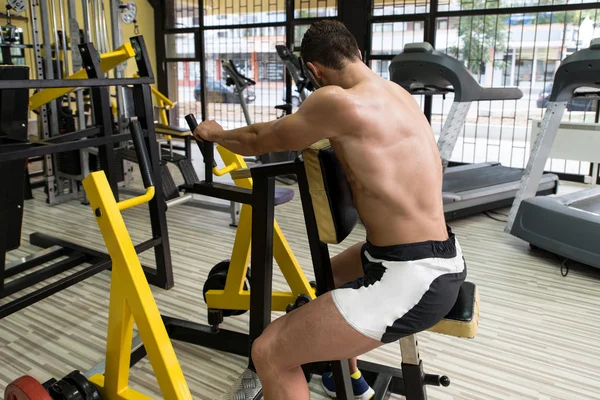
(329, 216)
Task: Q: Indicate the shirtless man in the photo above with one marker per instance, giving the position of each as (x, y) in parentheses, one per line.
(405, 277)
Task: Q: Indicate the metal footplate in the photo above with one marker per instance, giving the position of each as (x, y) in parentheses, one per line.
(246, 387)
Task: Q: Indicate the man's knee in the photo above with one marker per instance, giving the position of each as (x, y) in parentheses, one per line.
(264, 353)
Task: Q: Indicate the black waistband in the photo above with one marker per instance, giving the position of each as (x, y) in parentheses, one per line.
(415, 251)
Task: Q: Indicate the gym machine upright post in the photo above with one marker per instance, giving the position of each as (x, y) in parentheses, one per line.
(101, 136)
(131, 301)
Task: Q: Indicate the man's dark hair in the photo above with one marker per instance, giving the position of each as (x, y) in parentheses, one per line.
(329, 43)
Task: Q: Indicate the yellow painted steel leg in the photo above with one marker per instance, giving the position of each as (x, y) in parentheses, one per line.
(240, 254)
(120, 330)
(131, 296)
(289, 265)
(233, 297)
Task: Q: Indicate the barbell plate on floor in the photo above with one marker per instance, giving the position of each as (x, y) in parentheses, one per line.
(26, 388)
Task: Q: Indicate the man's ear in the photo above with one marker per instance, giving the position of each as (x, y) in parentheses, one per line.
(360, 54)
(312, 68)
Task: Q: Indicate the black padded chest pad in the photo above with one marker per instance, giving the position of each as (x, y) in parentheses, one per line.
(339, 193)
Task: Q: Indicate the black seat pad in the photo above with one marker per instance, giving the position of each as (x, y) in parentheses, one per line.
(464, 307)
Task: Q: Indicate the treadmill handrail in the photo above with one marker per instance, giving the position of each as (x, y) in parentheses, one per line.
(296, 68)
(420, 64)
(580, 69)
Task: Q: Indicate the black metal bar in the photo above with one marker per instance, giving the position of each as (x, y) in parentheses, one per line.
(72, 136)
(162, 78)
(372, 371)
(355, 19)
(102, 114)
(73, 83)
(310, 20)
(36, 262)
(157, 207)
(201, 44)
(261, 281)
(323, 275)
(398, 18)
(46, 291)
(3, 246)
(44, 241)
(6, 55)
(414, 384)
(35, 151)
(147, 245)
(221, 191)
(196, 58)
(289, 43)
(382, 57)
(33, 278)
(243, 26)
(137, 355)
(381, 385)
(202, 335)
(171, 31)
(519, 10)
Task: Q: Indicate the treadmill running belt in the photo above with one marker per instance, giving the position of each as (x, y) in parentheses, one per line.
(592, 204)
(456, 182)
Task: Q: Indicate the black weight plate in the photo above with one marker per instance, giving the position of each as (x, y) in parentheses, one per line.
(63, 390)
(90, 392)
(223, 266)
(217, 279)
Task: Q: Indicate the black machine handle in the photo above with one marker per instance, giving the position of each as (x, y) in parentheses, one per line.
(206, 148)
(137, 136)
(500, 94)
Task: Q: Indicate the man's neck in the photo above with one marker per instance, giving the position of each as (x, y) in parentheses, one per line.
(351, 75)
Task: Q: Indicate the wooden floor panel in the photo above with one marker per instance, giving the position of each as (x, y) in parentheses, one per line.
(538, 336)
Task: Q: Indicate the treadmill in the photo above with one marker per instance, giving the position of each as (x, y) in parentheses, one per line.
(568, 225)
(295, 66)
(472, 188)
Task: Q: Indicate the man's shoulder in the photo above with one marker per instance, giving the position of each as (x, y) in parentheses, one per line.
(329, 97)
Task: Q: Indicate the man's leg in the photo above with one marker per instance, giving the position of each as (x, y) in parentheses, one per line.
(347, 267)
(313, 332)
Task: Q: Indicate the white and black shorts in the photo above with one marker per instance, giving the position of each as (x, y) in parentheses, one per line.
(406, 288)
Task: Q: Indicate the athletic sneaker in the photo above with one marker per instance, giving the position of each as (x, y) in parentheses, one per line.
(362, 390)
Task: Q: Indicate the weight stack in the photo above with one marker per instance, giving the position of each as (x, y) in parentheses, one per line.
(12, 195)
(68, 162)
(14, 105)
(13, 130)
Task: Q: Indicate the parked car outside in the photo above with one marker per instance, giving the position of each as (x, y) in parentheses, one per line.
(218, 92)
(573, 105)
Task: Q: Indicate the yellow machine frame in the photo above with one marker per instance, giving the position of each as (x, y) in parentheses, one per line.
(108, 61)
(131, 301)
(234, 297)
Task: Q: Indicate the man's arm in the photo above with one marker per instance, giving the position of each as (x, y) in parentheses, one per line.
(321, 116)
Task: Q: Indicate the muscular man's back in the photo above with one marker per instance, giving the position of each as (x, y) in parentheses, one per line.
(392, 163)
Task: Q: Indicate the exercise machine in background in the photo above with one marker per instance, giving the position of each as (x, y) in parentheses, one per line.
(295, 67)
(131, 301)
(472, 188)
(567, 225)
(59, 256)
(240, 85)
